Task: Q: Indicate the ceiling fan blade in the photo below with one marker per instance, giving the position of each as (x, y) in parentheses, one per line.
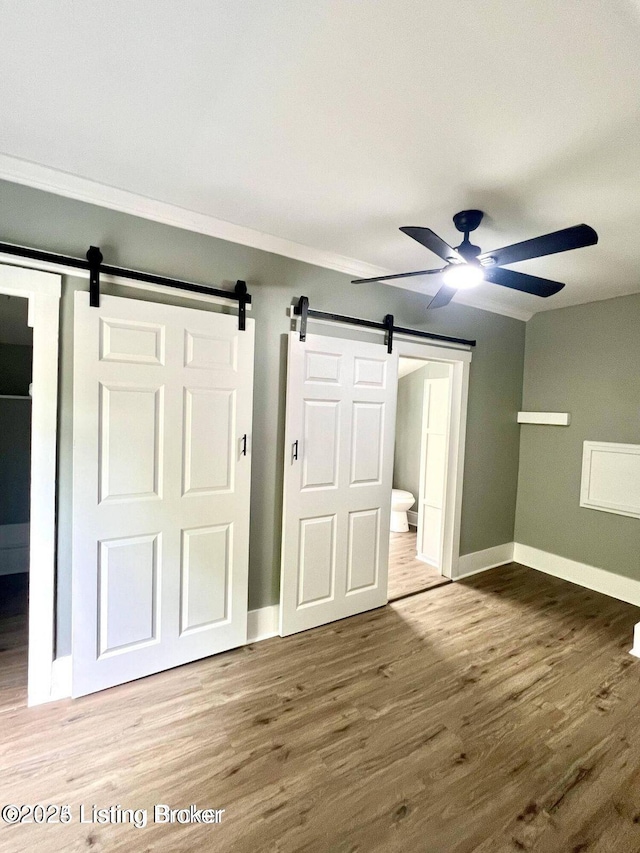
(428, 238)
(396, 275)
(522, 281)
(443, 297)
(549, 244)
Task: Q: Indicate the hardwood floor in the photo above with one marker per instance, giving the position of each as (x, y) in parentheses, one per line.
(496, 714)
(407, 574)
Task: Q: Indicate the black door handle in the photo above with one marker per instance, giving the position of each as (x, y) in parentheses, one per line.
(244, 444)
(294, 451)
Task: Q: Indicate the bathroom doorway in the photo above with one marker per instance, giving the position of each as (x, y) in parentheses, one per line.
(427, 475)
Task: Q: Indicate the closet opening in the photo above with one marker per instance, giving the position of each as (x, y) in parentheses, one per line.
(16, 358)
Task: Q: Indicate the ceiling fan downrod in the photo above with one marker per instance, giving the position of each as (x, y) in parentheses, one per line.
(467, 221)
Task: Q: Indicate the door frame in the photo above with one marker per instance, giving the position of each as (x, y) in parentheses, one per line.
(42, 290)
(460, 361)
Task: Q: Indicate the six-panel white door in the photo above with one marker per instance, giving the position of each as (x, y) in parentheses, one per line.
(433, 468)
(162, 437)
(340, 423)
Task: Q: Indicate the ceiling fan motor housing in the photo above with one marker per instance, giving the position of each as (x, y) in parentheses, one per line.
(468, 220)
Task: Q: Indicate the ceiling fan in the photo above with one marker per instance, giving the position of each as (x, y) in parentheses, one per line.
(467, 266)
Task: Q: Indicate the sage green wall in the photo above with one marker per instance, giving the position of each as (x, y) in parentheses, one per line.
(15, 433)
(406, 461)
(32, 217)
(584, 360)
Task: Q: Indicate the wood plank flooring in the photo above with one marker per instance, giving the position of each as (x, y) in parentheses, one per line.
(496, 714)
(407, 574)
(13, 644)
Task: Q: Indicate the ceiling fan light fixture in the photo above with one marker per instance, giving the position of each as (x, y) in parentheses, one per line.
(463, 276)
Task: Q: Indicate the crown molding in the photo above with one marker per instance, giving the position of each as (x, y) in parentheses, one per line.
(83, 189)
(65, 184)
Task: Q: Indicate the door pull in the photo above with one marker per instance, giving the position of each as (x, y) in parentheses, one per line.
(294, 451)
(244, 445)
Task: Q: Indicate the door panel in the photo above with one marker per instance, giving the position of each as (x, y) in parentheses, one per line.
(209, 422)
(317, 564)
(341, 401)
(162, 400)
(131, 437)
(367, 443)
(205, 583)
(320, 461)
(363, 550)
(128, 593)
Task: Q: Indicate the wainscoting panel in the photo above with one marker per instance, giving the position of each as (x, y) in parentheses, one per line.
(611, 478)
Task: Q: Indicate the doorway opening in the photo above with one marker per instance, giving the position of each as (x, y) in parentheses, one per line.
(421, 452)
(16, 358)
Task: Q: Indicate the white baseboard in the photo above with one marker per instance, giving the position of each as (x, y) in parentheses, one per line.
(635, 651)
(14, 548)
(599, 580)
(481, 561)
(263, 623)
(61, 678)
(426, 560)
(412, 518)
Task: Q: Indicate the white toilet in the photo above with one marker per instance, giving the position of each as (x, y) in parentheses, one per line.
(401, 501)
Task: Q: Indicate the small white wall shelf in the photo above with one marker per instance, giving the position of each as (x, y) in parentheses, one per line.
(611, 477)
(551, 418)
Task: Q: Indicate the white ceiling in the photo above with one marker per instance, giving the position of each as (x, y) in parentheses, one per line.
(331, 123)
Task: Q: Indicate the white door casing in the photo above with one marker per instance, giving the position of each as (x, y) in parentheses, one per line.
(43, 292)
(434, 455)
(339, 435)
(162, 403)
(459, 361)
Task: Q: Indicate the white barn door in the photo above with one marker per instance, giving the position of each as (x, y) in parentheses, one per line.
(340, 424)
(433, 468)
(161, 477)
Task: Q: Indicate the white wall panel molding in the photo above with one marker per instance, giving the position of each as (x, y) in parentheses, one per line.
(83, 189)
(611, 478)
(481, 561)
(590, 577)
